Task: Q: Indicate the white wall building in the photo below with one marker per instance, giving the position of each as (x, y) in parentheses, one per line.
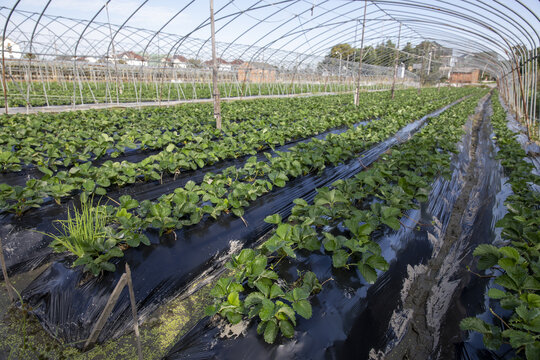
(12, 50)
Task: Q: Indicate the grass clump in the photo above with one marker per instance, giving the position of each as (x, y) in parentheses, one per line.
(86, 234)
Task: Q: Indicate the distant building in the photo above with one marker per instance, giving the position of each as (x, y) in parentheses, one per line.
(130, 58)
(223, 65)
(12, 50)
(88, 59)
(177, 61)
(257, 72)
(464, 76)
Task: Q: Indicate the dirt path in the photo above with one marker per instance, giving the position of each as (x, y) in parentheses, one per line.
(432, 289)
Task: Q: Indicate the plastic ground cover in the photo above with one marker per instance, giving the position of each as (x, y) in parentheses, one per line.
(352, 319)
(67, 305)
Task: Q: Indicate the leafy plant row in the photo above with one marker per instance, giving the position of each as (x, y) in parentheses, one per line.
(52, 140)
(364, 205)
(234, 188)
(62, 93)
(516, 266)
(93, 179)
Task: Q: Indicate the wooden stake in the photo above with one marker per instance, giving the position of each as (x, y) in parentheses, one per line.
(4, 271)
(134, 311)
(106, 312)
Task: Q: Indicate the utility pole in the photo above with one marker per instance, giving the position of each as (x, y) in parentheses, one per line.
(396, 61)
(357, 93)
(217, 105)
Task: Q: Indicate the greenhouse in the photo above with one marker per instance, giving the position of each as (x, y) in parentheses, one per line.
(291, 179)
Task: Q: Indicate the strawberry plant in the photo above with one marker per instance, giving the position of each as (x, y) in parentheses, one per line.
(516, 266)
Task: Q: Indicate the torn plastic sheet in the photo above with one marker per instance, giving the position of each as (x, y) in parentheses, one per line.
(354, 320)
(67, 307)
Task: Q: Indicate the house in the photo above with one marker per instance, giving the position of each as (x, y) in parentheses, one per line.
(12, 50)
(177, 61)
(88, 59)
(237, 62)
(223, 65)
(464, 76)
(258, 72)
(130, 58)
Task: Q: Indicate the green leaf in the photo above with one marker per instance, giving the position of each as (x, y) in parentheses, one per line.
(339, 258)
(89, 185)
(273, 219)
(518, 338)
(234, 299)
(254, 298)
(392, 222)
(210, 310)
(286, 328)
(245, 256)
(170, 147)
(510, 252)
(377, 262)
(533, 300)
(299, 294)
(270, 332)
(283, 230)
(496, 293)
(275, 291)
(258, 265)
(368, 273)
(475, 324)
(532, 351)
(489, 256)
(288, 312)
(267, 310)
(303, 308)
(107, 266)
(264, 286)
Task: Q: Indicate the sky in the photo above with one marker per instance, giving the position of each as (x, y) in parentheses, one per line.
(304, 26)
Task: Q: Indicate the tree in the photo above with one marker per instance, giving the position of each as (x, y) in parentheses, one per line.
(343, 51)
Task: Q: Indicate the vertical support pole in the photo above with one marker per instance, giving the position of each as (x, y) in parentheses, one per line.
(134, 312)
(357, 93)
(217, 105)
(396, 61)
(4, 85)
(4, 271)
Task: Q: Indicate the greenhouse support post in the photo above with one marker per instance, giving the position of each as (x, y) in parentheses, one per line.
(357, 93)
(4, 271)
(396, 61)
(217, 105)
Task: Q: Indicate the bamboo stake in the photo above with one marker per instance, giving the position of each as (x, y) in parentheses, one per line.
(106, 312)
(134, 311)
